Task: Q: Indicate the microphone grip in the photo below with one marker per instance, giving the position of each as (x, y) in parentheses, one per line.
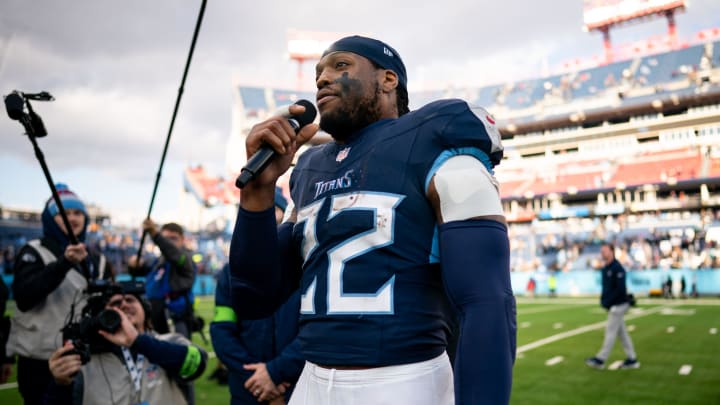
(255, 165)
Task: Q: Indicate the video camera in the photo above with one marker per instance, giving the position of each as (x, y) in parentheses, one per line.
(94, 317)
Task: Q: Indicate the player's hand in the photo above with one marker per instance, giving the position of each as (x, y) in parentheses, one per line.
(125, 335)
(76, 253)
(277, 133)
(64, 368)
(260, 384)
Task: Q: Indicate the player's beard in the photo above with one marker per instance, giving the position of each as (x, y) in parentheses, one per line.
(358, 109)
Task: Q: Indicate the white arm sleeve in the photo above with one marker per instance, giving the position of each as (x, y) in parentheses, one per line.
(466, 189)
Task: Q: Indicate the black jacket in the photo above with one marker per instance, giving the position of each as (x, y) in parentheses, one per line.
(614, 291)
(182, 271)
(34, 281)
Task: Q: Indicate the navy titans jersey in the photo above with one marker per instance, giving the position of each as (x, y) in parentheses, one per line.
(371, 283)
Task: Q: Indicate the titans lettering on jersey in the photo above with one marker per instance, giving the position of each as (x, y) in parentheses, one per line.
(371, 283)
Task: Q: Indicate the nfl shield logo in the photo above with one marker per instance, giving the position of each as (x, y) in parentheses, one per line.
(342, 154)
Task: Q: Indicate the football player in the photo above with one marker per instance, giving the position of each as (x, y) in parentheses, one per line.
(398, 214)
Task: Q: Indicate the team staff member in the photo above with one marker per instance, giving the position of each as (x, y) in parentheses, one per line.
(398, 204)
(262, 356)
(614, 299)
(50, 276)
(142, 368)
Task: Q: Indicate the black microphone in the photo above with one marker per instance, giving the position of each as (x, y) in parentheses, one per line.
(15, 105)
(260, 159)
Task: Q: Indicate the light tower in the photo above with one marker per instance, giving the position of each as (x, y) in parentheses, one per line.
(308, 46)
(604, 15)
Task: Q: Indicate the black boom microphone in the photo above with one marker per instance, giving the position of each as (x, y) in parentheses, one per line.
(260, 159)
(15, 105)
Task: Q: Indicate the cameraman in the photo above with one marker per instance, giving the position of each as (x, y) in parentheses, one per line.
(169, 279)
(50, 275)
(141, 367)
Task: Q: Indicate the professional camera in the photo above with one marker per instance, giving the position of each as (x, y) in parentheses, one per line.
(94, 317)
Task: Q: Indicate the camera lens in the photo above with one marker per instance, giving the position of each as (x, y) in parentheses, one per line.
(108, 320)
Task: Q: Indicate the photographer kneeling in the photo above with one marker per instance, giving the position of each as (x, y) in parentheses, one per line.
(140, 367)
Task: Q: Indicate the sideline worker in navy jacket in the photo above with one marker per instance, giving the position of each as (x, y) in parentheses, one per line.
(614, 298)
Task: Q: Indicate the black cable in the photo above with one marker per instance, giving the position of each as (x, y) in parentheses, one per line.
(172, 121)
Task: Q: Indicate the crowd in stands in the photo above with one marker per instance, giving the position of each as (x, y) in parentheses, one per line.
(649, 241)
(691, 65)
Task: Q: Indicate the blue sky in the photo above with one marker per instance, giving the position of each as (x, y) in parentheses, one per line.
(115, 68)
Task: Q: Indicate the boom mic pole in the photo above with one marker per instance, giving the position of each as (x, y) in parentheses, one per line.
(15, 104)
(172, 122)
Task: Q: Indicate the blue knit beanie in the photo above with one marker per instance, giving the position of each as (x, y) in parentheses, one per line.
(69, 200)
(379, 52)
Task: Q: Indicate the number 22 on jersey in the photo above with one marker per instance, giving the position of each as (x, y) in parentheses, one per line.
(382, 207)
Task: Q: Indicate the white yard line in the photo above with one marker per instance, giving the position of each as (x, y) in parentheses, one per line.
(555, 360)
(642, 301)
(686, 369)
(522, 311)
(670, 329)
(615, 365)
(561, 301)
(580, 330)
(8, 386)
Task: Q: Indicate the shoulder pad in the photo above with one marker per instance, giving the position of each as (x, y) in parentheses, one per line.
(464, 126)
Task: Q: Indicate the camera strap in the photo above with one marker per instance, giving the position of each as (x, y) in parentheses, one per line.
(135, 369)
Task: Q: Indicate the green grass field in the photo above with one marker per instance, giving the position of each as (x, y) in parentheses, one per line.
(667, 335)
(694, 341)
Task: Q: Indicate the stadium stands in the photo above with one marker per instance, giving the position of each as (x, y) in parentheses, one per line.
(209, 190)
(626, 151)
(658, 167)
(588, 83)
